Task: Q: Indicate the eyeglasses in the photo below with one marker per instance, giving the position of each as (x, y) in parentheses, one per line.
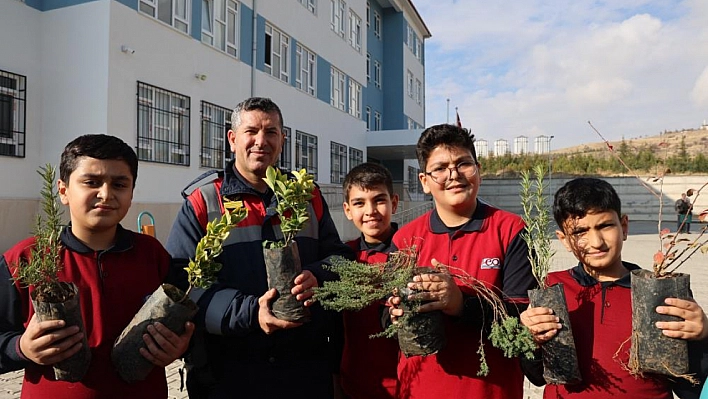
(442, 174)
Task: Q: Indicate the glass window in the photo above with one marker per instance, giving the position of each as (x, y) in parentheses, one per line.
(216, 123)
(220, 25)
(338, 161)
(311, 5)
(276, 53)
(354, 30)
(286, 155)
(305, 78)
(306, 152)
(354, 98)
(163, 125)
(172, 12)
(377, 24)
(356, 157)
(13, 91)
(338, 88)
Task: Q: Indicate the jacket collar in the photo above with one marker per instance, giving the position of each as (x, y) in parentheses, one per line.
(584, 279)
(384, 246)
(474, 224)
(124, 241)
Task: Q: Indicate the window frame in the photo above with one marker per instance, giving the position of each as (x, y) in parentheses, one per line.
(285, 159)
(230, 38)
(210, 155)
(338, 162)
(306, 152)
(307, 66)
(356, 157)
(338, 89)
(283, 54)
(176, 21)
(377, 120)
(13, 104)
(377, 24)
(355, 36)
(355, 90)
(175, 140)
(377, 73)
(310, 5)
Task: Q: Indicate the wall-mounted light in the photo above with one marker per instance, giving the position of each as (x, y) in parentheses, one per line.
(127, 50)
(200, 76)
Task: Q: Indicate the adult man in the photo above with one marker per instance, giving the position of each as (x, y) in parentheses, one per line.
(240, 348)
(683, 208)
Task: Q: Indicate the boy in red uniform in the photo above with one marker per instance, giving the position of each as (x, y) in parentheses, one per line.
(114, 270)
(597, 291)
(464, 234)
(368, 368)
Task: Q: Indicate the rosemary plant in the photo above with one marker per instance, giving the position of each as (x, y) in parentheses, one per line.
(537, 218)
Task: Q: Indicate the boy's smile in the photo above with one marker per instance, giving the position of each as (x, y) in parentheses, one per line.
(370, 211)
(99, 193)
(596, 241)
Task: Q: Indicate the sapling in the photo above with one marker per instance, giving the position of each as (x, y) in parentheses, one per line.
(537, 219)
(293, 197)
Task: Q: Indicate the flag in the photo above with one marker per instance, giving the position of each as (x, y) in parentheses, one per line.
(459, 124)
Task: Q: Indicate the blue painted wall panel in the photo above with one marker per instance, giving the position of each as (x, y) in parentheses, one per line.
(324, 87)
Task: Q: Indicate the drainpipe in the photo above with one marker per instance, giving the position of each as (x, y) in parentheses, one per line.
(255, 50)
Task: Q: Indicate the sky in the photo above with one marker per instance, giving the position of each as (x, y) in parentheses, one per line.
(633, 68)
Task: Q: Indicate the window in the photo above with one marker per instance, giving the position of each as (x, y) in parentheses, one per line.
(220, 25)
(311, 5)
(338, 87)
(354, 30)
(305, 78)
(368, 118)
(306, 152)
(163, 125)
(13, 89)
(418, 91)
(368, 67)
(411, 124)
(418, 49)
(286, 155)
(356, 157)
(216, 122)
(377, 120)
(377, 74)
(172, 12)
(377, 24)
(409, 83)
(354, 98)
(276, 53)
(414, 43)
(409, 37)
(338, 17)
(338, 161)
(368, 13)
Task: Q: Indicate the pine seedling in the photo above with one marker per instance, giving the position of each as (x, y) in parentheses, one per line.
(41, 270)
(537, 234)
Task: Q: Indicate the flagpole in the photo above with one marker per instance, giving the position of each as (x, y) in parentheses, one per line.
(448, 111)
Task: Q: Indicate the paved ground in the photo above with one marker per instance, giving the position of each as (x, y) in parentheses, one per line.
(639, 248)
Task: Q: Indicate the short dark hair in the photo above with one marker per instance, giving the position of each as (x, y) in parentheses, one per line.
(443, 135)
(367, 175)
(99, 146)
(255, 104)
(582, 195)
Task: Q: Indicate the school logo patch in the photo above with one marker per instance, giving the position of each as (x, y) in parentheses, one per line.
(491, 263)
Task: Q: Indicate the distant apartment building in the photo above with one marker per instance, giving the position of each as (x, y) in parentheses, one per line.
(165, 75)
(501, 147)
(521, 145)
(542, 144)
(481, 147)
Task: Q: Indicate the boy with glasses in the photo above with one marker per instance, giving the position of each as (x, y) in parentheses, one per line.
(466, 236)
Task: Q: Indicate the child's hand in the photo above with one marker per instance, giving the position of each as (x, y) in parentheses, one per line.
(49, 342)
(439, 291)
(393, 303)
(163, 345)
(542, 323)
(694, 325)
(304, 282)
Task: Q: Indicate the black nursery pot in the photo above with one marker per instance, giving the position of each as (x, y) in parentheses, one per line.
(420, 334)
(560, 359)
(162, 306)
(74, 368)
(652, 351)
(282, 266)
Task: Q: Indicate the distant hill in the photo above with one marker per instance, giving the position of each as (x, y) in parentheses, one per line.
(696, 141)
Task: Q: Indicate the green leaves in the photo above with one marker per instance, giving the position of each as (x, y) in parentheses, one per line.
(45, 262)
(537, 219)
(202, 270)
(292, 196)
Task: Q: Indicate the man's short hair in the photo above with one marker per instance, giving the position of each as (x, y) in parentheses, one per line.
(367, 176)
(255, 104)
(584, 195)
(445, 135)
(99, 146)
